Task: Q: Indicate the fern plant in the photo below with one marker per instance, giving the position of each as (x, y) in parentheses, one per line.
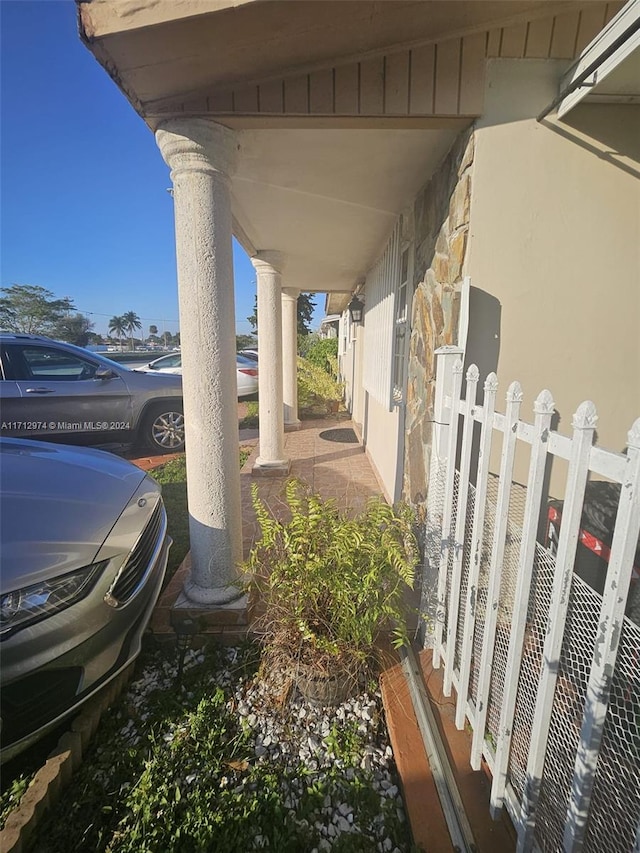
(328, 584)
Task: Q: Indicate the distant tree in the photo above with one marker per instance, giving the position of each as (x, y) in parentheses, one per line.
(132, 323)
(75, 329)
(118, 325)
(306, 304)
(166, 338)
(253, 318)
(31, 309)
(245, 342)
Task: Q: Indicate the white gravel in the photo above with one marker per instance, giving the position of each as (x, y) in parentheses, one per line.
(299, 734)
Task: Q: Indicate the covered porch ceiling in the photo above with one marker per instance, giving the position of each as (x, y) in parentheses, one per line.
(162, 50)
(328, 199)
(324, 190)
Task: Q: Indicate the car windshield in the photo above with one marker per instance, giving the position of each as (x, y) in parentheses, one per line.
(173, 360)
(245, 362)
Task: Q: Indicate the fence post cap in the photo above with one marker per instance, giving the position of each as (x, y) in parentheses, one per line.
(586, 416)
(514, 392)
(491, 382)
(544, 404)
(633, 437)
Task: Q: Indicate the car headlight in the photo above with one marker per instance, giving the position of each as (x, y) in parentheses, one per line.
(30, 604)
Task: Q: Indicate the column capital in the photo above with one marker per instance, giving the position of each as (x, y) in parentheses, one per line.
(291, 292)
(268, 261)
(197, 145)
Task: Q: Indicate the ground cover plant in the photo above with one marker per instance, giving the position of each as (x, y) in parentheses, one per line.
(212, 764)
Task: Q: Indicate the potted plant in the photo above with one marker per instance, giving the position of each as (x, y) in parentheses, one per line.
(328, 587)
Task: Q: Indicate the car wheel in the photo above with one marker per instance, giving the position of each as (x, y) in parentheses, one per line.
(163, 429)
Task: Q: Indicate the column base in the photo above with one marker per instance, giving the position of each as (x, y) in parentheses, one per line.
(279, 468)
(227, 623)
(199, 596)
(176, 614)
(292, 426)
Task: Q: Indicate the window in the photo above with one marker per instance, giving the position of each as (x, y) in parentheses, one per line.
(400, 333)
(54, 365)
(379, 297)
(169, 361)
(388, 292)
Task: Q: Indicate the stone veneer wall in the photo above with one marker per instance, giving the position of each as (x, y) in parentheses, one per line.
(441, 216)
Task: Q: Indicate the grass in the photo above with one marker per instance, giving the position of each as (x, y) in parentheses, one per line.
(250, 420)
(176, 772)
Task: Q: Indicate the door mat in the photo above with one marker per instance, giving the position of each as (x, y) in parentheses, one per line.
(345, 435)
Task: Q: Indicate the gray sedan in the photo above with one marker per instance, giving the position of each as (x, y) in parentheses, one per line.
(60, 392)
(84, 550)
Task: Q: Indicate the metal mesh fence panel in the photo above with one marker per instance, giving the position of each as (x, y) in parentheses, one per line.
(450, 537)
(464, 582)
(614, 814)
(432, 544)
(537, 615)
(566, 721)
(505, 607)
(483, 583)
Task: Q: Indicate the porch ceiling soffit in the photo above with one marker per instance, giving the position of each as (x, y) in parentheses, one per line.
(336, 303)
(228, 52)
(328, 199)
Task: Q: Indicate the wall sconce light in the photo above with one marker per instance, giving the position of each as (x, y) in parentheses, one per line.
(356, 308)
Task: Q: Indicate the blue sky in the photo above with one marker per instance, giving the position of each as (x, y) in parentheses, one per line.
(84, 210)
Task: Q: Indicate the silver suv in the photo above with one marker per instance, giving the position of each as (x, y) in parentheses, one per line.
(60, 392)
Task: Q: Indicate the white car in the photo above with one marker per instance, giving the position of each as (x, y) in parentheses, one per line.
(246, 371)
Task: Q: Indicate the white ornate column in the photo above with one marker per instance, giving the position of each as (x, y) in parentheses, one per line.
(289, 356)
(201, 155)
(271, 461)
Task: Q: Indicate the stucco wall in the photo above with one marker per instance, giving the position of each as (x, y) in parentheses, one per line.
(555, 241)
(545, 219)
(380, 435)
(441, 215)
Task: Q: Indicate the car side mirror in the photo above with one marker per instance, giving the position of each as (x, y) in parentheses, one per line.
(105, 373)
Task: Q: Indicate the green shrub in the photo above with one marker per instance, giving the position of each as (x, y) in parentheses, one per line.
(329, 584)
(316, 385)
(324, 353)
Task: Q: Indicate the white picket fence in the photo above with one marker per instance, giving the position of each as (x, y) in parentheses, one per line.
(545, 669)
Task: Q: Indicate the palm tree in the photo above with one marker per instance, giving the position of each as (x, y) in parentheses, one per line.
(118, 325)
(132, 322)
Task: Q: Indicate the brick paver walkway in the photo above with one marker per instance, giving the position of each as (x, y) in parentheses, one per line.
(331, 469)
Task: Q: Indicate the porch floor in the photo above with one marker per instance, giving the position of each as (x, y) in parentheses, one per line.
(342, 471)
